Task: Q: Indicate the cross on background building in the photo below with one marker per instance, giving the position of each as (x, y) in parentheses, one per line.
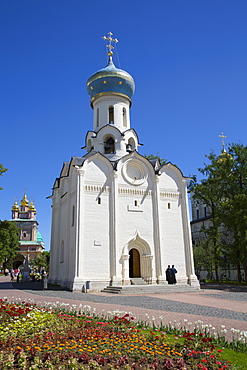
(222, 136)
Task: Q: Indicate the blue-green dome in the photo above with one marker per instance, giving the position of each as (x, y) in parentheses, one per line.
(39, 237)
(110, 80)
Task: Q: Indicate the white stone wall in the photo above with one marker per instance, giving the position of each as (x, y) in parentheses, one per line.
(137, 209)
(118, 103)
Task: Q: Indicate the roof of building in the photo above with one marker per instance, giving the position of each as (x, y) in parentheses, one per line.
(39, 238)
(110, 80)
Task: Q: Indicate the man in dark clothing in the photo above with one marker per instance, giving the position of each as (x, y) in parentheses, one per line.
(173, 273)
(169, 274)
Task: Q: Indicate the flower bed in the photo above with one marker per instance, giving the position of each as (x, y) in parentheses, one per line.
(35, 337)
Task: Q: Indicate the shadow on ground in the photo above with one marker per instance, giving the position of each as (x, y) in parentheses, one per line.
(34, 285)
(226, 287)
(37, 285)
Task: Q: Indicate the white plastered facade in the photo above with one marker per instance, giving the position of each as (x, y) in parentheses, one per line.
(113, 201)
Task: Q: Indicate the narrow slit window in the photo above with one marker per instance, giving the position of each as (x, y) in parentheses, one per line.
(62, 252)
(169, 205)
(135, 203)
(111, 114)
(99, 200)
(97, 118)
(73, 216)
(124, 118)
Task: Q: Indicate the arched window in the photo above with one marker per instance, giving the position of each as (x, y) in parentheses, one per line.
(130, 147)
(111, 114)
(109, 146)
(97, 117)
(124, 118)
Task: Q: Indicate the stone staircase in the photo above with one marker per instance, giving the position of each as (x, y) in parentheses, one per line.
(149, 289)
(138, 281)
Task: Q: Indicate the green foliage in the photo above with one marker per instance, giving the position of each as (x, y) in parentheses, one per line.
(204, 256)
(42, 260)
(157, 156)
(237, 358)
(224, 190)
(2, 170)
(9, 240)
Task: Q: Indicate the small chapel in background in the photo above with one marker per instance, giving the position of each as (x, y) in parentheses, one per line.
(118, 218)
(30, 239)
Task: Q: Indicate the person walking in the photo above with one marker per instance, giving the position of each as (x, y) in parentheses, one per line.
(12, 274)
(44, 280)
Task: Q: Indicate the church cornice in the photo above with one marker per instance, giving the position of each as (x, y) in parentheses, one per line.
(96, 188)
(167, 194)
(122, 191)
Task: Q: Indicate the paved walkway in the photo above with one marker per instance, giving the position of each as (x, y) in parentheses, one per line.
(214, 307)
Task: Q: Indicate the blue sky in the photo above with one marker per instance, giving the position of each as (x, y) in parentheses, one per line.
(188, 59)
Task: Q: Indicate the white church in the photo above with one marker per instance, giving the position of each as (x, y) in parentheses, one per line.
(118, 219)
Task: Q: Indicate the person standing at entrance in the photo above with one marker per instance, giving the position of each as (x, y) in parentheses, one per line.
(169, 274)
(173, 272)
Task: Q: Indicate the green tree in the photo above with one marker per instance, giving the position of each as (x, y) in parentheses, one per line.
(42, 260)
(2, 170)
(204, 257)
(234, 204)
(207, 193)
(9, 240)
(157, 156)
(224, 190)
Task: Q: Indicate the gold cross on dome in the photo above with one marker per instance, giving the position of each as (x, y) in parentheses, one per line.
(222, 140)
(111, 40)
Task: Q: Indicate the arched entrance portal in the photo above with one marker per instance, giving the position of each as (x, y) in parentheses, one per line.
(134, 263)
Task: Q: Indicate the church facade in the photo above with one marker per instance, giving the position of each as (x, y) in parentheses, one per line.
(116, 215)
(31, 243)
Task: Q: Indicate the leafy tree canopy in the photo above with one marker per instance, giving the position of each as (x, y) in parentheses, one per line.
(224, 190)
(2, 170)
(42, 260)
(9, 240)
